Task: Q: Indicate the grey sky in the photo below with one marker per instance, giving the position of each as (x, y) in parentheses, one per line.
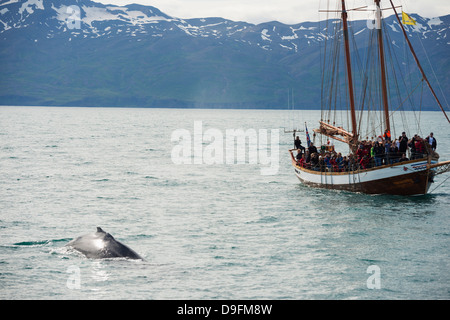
(286, 11)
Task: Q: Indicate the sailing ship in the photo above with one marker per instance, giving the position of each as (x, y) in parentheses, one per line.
(364, 171)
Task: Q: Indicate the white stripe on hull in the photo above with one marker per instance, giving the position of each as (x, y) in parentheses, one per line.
(361, 176)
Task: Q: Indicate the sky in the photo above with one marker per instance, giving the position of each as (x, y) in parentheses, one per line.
(285, 11)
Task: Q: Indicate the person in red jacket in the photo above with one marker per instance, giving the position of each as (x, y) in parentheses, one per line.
(361, 152)
(365, 162)
(420, 147)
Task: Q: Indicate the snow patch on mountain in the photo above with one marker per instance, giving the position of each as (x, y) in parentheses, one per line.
(38, 4)
(9, 2)
(93, 14)
(62, 13)
(265, 36)
(435, 22)
(96, 14)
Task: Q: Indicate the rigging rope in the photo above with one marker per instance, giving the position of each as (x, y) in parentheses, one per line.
(439, 185)
(432, 69)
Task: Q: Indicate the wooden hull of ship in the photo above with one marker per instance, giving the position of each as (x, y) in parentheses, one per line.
(406, 178)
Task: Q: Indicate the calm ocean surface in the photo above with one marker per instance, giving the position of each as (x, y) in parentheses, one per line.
(220, 231)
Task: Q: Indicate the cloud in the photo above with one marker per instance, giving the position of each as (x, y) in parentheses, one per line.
(430, 8)
(286, 11)
(254, 11)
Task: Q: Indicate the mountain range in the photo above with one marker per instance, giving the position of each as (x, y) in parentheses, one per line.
(83, 53)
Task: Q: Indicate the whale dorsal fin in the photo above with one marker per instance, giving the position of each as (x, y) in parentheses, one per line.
(100, 230)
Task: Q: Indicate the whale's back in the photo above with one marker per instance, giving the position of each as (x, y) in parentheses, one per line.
(101, 245)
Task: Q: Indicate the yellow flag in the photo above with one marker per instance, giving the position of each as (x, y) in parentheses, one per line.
(406, 19)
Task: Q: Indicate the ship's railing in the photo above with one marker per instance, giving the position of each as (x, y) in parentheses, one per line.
(356, 164)
(440, 168)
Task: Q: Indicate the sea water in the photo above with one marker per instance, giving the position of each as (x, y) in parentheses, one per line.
(206, 231)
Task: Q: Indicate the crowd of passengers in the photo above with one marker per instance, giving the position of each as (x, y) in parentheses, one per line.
(369, 154)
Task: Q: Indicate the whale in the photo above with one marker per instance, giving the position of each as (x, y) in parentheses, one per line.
(102, 245)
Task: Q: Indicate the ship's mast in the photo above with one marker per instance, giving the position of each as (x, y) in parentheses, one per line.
(349, 73)
(382, 67)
